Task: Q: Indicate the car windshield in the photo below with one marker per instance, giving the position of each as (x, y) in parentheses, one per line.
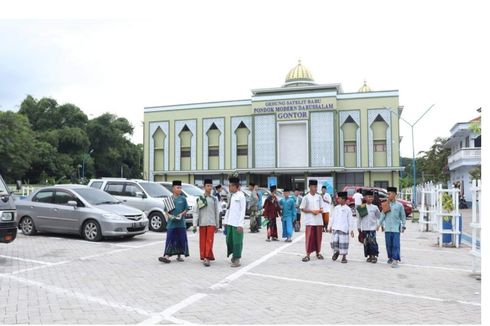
(155, 190)
(3, 187)
(95, 196)
(192, 190)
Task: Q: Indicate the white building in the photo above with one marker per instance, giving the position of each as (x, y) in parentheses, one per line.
(465, 155)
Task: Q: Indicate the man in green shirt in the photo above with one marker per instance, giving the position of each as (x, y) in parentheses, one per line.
(176, 243)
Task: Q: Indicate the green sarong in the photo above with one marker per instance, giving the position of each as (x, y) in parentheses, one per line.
(234, 241)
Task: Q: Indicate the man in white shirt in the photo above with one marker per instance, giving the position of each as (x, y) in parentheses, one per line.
(358, 197)
(326, 202)
(234, 220)
(312, 207)
(341, 224)
(366, 226)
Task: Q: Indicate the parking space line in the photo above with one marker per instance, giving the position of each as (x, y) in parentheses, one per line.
(401, 263)
(27, 260)
(168, 313)
(359, 288)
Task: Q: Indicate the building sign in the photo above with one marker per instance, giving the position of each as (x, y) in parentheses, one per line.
(297, 109)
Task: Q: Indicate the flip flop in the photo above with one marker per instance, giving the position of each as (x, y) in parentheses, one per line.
(164, 260)
(305, 259)
(319, 256)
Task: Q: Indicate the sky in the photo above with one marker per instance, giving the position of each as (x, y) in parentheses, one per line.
(120, 57)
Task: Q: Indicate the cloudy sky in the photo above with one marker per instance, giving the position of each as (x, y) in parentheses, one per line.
(118, 57)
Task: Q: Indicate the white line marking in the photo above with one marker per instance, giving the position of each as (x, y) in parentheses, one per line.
(73, 294)
(27, 260)
(168, 313)
(401, 264)
(37, 267)
(364, 289)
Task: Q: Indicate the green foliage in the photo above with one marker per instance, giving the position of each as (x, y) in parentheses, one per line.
(49, 143)
(476, 173)
(475, 127)
(447, 205)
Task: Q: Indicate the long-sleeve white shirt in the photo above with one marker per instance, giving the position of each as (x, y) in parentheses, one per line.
(370, 221)
(342, 219)
(235, 215)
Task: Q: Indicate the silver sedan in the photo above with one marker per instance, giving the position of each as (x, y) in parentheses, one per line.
(76, 209)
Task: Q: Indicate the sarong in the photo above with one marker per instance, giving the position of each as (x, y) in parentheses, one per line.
(272, 228)
(206, 240)
(254, 223)
(234, 241)
(340, 242)
(176, 243)
(313, 237)
(370, 244)
(287, 228)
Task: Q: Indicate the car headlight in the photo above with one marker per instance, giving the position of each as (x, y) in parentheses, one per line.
(7, 216)
(113, 217)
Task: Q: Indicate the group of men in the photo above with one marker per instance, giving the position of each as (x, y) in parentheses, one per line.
(314, 208)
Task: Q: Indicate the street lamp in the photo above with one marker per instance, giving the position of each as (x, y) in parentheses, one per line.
(83, 163)
(414, 169)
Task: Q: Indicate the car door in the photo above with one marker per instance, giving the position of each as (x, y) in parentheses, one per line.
(67, 218)
(41, 209)
(131, 189)
(116, 189)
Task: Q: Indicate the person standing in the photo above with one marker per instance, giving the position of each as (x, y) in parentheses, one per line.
(206, 215)
(358, 198)
(272, 211)
(288, 215)
(326, 204)
(259, 207)
(254, 200)
(367, 226)
(217, 192)
(341, 224)
(297, 198)
(393, 221)
(176, 242)
(234, 220)
(311, 206)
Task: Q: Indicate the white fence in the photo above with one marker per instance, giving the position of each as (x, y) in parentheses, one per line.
(452, 214)
(428, 206)
(476, 222)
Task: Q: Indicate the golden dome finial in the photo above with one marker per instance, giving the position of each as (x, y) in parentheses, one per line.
(299, 75)
(364, 88)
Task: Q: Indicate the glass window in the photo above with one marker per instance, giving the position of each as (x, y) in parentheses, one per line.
(349, 147)
(380, 147)
(155, 190)
(192, 190)
(185, 152)
(45, 196)
(167, 186)
(115, 189)
(96, 197)
(131, 190)
(62, 198)
(96, 184)
(213, 152)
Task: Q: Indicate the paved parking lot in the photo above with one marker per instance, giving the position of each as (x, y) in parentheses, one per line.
(65, 280)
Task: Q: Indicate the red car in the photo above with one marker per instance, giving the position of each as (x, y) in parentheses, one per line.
(380, 195)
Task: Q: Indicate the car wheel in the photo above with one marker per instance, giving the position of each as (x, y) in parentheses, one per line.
(156, 222)
(91, 231)
(27, 226)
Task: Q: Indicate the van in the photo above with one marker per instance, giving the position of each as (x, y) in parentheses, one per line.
(144, 195)
(8, 224)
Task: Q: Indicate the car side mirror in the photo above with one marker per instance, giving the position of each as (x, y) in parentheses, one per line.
(18, 184)
(72, 203)
(140, 194)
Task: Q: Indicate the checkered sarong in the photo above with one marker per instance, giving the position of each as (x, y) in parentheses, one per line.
(340, 242)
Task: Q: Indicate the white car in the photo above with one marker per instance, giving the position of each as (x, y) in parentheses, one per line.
(189, 191)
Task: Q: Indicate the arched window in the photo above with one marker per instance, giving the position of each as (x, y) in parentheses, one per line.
(158, 149)
(379, 127)
(213, 135)
(242, 144)
(185, 148)
(349, 129)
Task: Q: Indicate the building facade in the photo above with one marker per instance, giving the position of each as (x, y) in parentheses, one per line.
(289, 133)
(465, 156)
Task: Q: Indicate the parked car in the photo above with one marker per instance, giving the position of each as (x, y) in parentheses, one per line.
(144, 195)
(8, 225)
(380, 195)
(189, 191)
(77, 209)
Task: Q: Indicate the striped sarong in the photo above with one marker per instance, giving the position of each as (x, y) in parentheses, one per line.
(340, 242)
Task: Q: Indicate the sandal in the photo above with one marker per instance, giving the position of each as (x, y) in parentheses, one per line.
(164, 260)
(305, 259)
(180, 259)
(344, 260)
(335, 256)
(319, 256)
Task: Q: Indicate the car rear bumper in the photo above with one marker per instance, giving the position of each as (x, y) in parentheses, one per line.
(8, 232)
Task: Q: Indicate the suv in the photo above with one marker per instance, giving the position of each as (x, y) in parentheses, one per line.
(380, 195)
(8, 225)
(144, 195)
(190, 192)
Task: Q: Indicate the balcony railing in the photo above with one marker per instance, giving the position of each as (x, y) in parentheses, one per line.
(472, 155)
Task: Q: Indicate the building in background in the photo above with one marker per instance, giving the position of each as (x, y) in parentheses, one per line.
(293, 132)
(465, 145)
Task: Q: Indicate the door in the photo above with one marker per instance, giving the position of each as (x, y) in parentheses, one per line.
(41, 209)
(131, 190)
(67, 218)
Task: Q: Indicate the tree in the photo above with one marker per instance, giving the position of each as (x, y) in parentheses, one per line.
(16, 145)
(435, 161)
